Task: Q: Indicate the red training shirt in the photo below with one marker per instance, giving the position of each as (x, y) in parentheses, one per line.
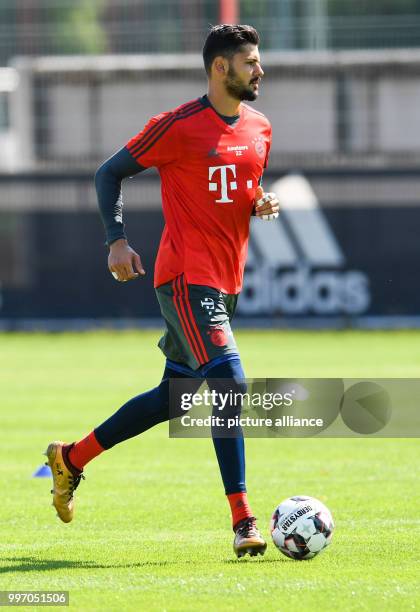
(209, 173)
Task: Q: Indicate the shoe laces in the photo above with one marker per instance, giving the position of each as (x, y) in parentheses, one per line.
(248, 527)
(74, 482)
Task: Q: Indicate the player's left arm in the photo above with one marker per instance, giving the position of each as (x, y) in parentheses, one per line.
(266, 205)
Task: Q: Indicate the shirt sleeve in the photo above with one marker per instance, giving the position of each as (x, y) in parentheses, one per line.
(267, 154)
(108, 179)
(157, 144)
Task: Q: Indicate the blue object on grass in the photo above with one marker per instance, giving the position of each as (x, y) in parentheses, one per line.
(42, 472)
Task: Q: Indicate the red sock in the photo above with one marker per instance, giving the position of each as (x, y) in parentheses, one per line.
(84, 451)
(239, 507)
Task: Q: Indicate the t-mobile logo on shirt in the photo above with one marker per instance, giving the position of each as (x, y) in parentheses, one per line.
(225, 182)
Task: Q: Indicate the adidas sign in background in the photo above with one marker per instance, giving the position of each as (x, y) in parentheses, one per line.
(296, 266)
(344, 250)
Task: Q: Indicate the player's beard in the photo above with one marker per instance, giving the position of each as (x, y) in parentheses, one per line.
(237, 89)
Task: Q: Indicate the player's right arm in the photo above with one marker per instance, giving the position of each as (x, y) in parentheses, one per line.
(123, 262)
(156, 145)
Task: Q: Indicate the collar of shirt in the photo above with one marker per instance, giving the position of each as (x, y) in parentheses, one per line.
(230, 120)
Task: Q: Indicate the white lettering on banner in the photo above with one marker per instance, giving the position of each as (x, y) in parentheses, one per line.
(296, 265)
(224, 184)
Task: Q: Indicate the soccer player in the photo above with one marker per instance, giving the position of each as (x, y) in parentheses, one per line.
(210, 154)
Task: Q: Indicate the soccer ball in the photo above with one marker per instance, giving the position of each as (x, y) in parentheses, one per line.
(301, 527)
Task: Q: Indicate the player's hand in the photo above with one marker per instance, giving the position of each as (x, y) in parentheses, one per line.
(266, 205)
(123, 262)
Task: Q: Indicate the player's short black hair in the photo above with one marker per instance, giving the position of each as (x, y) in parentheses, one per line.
(226, 40)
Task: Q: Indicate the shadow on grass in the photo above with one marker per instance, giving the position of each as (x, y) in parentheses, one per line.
(258, 561)
(31, 564)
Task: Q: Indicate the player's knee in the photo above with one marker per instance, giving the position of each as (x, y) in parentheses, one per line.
(162, 393)
(228, 375)
(240, 386)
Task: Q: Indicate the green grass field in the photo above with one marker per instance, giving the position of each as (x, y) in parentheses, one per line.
(152, 529)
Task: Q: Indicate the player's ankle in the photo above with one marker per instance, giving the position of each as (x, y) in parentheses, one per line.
(80, 453)
(76, 471)
(239, 507)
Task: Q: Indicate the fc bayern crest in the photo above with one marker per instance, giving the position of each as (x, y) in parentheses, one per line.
(218, 336)
(259, 145)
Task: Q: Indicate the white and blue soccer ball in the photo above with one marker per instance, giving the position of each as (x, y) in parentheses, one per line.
(301, 527)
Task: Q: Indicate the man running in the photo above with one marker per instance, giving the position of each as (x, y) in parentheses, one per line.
(210, 153)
